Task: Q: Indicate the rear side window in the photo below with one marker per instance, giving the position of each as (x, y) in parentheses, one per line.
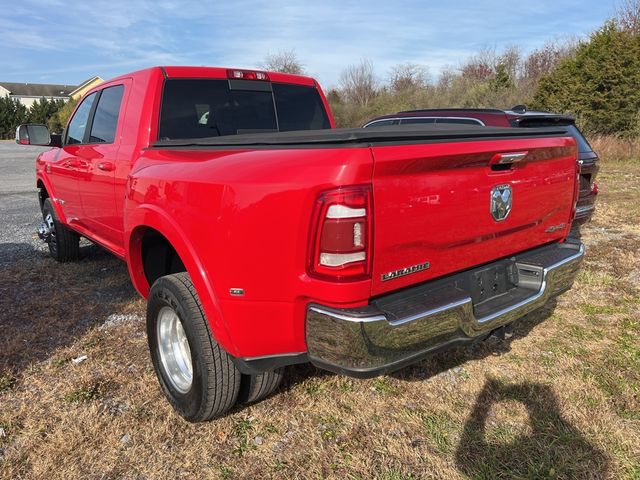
(458, 121)
(105, 121)
(78, 124)
(198, 108)
(414, 121)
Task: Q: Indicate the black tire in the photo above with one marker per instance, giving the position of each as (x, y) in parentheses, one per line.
(258, 387)
(215, 379)
(64, 244)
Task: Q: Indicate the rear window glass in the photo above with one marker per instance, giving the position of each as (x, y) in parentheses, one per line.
(583, 145)
(299, 108)
(206, 108)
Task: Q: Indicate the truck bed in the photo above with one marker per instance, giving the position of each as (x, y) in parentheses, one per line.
(401, 134)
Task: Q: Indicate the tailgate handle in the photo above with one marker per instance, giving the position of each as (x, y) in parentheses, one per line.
(507, 158)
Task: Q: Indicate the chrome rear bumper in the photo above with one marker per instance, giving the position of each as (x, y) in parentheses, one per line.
(400, 328)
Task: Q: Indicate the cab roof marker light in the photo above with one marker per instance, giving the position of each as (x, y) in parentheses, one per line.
(237, 74)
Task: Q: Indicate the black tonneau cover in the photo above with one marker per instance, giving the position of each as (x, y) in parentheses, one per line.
(428, 133)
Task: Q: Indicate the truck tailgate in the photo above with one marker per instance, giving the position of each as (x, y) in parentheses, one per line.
(445, 207)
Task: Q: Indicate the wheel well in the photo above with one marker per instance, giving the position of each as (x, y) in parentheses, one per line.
(159, 258)
(42, 193)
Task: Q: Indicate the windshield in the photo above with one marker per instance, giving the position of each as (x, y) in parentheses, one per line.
(198, 108)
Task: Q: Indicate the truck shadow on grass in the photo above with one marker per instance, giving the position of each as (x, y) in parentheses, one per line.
(552, 449)
(45, 305)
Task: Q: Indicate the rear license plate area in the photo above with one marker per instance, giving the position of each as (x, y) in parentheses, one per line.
(492, 281)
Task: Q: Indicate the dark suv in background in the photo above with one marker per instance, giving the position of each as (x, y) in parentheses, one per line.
(517, 117)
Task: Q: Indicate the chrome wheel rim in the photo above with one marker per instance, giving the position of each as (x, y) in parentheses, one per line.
(175, 354)
(53, 241)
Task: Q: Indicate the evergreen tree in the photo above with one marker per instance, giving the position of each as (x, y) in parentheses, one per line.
(12, 114)
(600, 84)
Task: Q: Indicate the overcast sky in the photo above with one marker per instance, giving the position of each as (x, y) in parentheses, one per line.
(68, 41)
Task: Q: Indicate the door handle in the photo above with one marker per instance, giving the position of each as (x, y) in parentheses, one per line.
(106, 166)
(72, 163)
(508, 158)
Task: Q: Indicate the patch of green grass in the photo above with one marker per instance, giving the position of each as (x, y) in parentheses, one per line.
(633, 470)
(396, 474)
(241, 431)
(346, 386)
(6, 382)
(438, 427)
(384, 386)
(595, 278)
(85, 393)
(330, 427)
(630, 324)
(617, 374)
(270, 428)
(556, 345)
(589, 309)
(315, 389)
(580, 333)
(225, 472)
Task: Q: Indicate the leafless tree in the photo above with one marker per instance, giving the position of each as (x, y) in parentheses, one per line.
(544, 60)
(284, 61)
(628, 15)
(408, 76)
(358, 83)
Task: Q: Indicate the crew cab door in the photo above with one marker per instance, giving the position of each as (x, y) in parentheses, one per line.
(100, 157)
(68, 165)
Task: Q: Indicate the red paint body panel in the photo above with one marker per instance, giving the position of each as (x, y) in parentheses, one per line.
(242, 218)
(432, 205)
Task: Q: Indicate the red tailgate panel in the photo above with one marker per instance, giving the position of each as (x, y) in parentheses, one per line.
(432, 204)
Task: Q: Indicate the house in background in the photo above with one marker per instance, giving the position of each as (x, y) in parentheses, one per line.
(27, 93)
(85, 86)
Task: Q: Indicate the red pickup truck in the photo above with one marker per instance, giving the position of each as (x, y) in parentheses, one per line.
(263, 237)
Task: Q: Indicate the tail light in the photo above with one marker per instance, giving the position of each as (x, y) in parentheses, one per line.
(247, 75)
(341, 238)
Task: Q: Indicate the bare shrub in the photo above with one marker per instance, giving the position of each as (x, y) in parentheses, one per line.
(284, 61)
(359, 84)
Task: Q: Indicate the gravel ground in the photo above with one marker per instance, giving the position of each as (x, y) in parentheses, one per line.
(19, 211)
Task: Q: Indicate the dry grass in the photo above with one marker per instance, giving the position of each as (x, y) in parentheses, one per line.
(616, 149)
(560, 402)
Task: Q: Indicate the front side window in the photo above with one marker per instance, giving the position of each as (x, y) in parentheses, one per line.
(105, 120)
(78, 124)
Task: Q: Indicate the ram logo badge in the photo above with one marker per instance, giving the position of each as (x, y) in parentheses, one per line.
(405, 271)
(501, 201)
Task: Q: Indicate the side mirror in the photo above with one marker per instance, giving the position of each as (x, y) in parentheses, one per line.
(33, 134)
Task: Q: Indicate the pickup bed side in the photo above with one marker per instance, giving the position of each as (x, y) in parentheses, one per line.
(237, 210)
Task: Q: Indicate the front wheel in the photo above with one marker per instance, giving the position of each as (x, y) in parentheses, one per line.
(197, 376)
(64, 243)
